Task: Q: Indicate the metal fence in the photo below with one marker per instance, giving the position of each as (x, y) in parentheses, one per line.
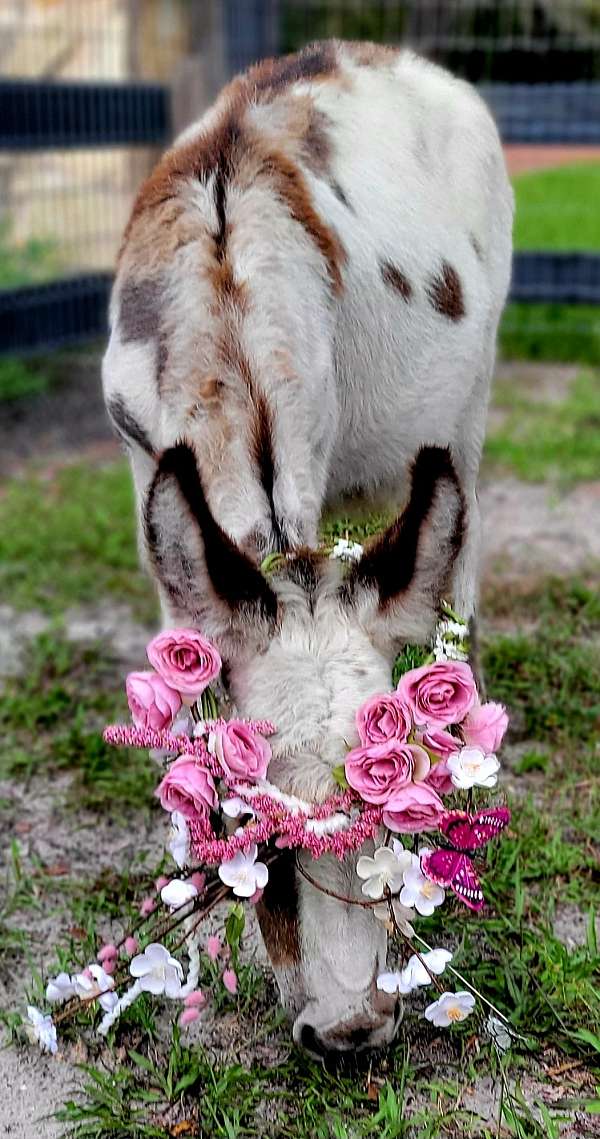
(89, 93)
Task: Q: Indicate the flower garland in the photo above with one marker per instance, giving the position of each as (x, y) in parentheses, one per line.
(428, 738)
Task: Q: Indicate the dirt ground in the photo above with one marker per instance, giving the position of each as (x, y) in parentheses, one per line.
(529, 531)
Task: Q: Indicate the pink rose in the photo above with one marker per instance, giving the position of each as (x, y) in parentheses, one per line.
(240, 751)
(151, 702)
(440, 693)
(187, 787)
(440, 778)
(383, 718)
(378, 772)
(485, 726)
(441, 743)
(413, 808)
(185, 660)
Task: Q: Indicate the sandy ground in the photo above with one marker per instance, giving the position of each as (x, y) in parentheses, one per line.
(528, 531)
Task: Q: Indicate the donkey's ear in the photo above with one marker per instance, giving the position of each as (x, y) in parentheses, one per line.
(403, 576)
(205, 578)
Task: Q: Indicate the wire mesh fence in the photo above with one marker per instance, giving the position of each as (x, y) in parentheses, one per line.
(85, 101)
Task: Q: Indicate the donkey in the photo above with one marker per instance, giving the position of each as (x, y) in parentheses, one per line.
(308, 292)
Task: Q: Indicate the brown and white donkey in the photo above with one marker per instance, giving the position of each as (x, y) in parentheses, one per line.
(306, 307)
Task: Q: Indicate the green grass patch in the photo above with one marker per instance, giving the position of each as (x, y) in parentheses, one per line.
(51, 719)
(558, 333)
(558, 209)
(19, 380)
(71, 540)
(551, 441)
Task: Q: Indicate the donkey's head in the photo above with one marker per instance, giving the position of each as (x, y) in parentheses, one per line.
(304, 649)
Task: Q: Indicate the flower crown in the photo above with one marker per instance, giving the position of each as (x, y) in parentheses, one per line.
(428, 738)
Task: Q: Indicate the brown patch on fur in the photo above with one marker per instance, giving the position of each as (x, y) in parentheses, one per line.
(370, 54)
(208, 388)
(316, 143)
(291, 186)
(231, 150)
(277, 912)
(396, 279)
(315, 61)
(445, 293)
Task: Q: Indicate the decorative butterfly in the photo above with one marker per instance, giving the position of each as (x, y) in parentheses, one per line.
(465, 833)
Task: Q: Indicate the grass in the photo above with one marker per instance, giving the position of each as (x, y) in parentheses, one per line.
(51, 720)
(555, 210)
(71, 539)
(554, 442)
(558, 208)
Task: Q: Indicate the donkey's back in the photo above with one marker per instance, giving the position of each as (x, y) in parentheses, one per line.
(309, 289)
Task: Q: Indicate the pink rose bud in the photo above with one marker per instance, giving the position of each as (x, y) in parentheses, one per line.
(440, 742)
(198, 879)
(240, 751)
(440, 778)
(160, 882)
(147, 907)
(378, 772)
(213, 947)
(195, 999)
(440, 693)
(131, 946)
(109, 964)
(188, 787)
(107, 952)
(188, 1016)
(414, 808)
(185, 660)
(151, 702)
(230, 981)
(484, 727)
(257, 895)
(383, 718)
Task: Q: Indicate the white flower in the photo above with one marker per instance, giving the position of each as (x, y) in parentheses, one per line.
(42, 1029)
(450, 1009)
(235, 807)
(179, 842)
(346, 550)
(95, 982)
(499, 1032)
(418, 891)
(391, 983)
(156, 971)
(176, 893)
(471, 767)
(244, 874)
(60, 989)
(383, 870)
(415, 973)
(403, 915)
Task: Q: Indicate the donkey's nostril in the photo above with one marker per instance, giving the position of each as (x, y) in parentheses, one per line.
(310, 1041)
